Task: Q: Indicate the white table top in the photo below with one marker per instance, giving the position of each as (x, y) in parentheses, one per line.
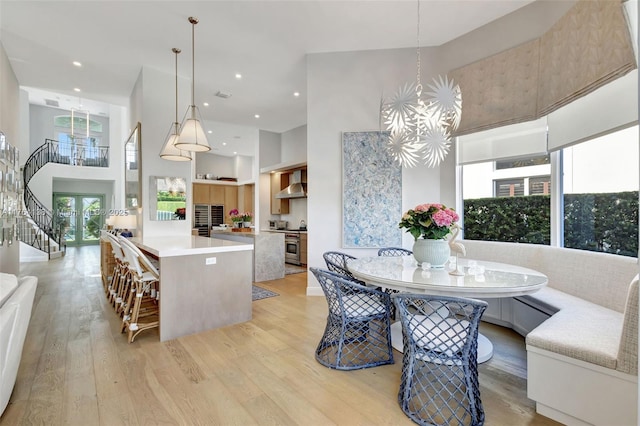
(187, 245)
(480, 279)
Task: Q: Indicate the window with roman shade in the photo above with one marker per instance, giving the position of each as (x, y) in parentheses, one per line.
(589, 47)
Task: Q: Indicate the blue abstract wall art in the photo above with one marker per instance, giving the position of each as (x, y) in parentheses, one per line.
(372, 192)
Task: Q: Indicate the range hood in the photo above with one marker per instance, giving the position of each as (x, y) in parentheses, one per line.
(296, 189)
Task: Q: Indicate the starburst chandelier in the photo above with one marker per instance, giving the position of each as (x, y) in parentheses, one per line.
(420, 124)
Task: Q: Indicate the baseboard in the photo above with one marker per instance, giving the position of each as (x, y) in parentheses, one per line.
(559, 416)
(28, 259)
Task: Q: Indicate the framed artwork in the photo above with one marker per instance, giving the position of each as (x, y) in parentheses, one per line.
(3, 146)
(10, 154)
(371, 192)
(8, 181)
(2, 181)
(132, 170)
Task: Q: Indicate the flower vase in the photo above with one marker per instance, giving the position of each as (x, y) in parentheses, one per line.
(434, 252)
(246, 224)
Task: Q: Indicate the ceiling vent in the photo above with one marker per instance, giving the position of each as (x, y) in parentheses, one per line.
(51, 102)
(223, 95)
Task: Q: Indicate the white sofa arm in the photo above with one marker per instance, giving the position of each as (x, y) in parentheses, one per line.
(628, 352)
(15, 314)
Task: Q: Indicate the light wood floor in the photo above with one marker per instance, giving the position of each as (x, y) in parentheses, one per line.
(77, 369)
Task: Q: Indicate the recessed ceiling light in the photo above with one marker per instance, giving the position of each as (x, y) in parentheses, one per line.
(205, 104)
(296, 94)
(257, 116)
(235, 152)
(77, 64)
(238, 75)
(224, 144)
(209, 131)
(76, 89)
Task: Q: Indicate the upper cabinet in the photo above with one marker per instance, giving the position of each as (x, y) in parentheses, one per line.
(279, 181)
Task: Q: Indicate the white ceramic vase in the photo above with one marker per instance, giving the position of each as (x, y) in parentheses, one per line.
(434, 252)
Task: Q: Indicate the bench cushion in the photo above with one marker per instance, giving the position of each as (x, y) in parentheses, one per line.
(580, 329)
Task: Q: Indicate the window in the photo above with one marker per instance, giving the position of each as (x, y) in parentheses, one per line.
(523, 162)
(509, 187)
(601, 193)
(540, 185)
(599, 200)
(507, 203)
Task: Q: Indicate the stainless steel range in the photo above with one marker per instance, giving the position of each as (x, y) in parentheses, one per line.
(292, 248)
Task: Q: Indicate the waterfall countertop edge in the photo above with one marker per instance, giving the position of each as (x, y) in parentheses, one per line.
(187, 245)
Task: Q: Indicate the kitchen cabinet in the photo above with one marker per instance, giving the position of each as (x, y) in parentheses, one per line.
(217, 194)
(213, 194)
(230, 200)
(247, 197)
(303, 248)
(200, 193)
(279, 181)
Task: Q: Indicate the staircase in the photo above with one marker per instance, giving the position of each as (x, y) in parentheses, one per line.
(40, 229)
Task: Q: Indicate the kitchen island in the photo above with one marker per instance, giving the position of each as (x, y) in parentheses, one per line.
(268, 252)
(205, 283)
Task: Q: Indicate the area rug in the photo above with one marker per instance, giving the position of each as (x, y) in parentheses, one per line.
(293, 269)
(258, 293)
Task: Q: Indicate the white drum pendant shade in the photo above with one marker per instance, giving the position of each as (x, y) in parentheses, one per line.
(192, 136)
(169, 150)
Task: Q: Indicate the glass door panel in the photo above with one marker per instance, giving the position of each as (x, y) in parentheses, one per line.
(91, 218)
(81, 217)
(65, 213)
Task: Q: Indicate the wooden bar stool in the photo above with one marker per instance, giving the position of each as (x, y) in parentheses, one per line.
(140, 309)
(120, 277)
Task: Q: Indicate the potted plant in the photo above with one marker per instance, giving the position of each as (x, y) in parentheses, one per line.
(236, 218)
(429, 224)
(246, 219)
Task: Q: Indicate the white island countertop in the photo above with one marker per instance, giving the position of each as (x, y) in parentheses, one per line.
(187, 245)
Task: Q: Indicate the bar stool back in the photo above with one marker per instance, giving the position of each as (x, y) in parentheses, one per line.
(140, 310)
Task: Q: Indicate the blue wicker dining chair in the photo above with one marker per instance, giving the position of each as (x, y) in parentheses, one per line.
(439, 382)
(337, 262)
(357, 334)
(394, 251)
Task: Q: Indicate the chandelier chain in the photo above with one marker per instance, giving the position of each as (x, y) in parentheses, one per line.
(419, 84)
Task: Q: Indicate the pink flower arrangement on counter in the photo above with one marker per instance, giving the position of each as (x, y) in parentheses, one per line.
(429, 221)
(236, 216)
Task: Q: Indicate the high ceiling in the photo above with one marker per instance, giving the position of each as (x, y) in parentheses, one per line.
(265, 41)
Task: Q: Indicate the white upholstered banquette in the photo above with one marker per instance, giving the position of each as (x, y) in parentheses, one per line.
(581, 330)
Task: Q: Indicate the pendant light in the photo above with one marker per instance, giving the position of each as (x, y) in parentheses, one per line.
(192, 136)
(420, 125)
(169, 150)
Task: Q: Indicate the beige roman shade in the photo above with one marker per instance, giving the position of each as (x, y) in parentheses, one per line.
(587, 48)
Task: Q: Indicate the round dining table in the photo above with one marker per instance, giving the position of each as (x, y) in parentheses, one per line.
(461, 278)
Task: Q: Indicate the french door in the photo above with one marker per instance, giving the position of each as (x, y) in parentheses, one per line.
(81, 216)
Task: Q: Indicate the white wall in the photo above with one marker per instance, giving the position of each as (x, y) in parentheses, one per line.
(294, 145)
(217, 165)
(10, 126)
(269, 148)
(244, 169)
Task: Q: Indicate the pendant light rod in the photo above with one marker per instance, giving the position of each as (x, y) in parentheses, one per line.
(176, 51)
(192, 135)
(193, 22)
